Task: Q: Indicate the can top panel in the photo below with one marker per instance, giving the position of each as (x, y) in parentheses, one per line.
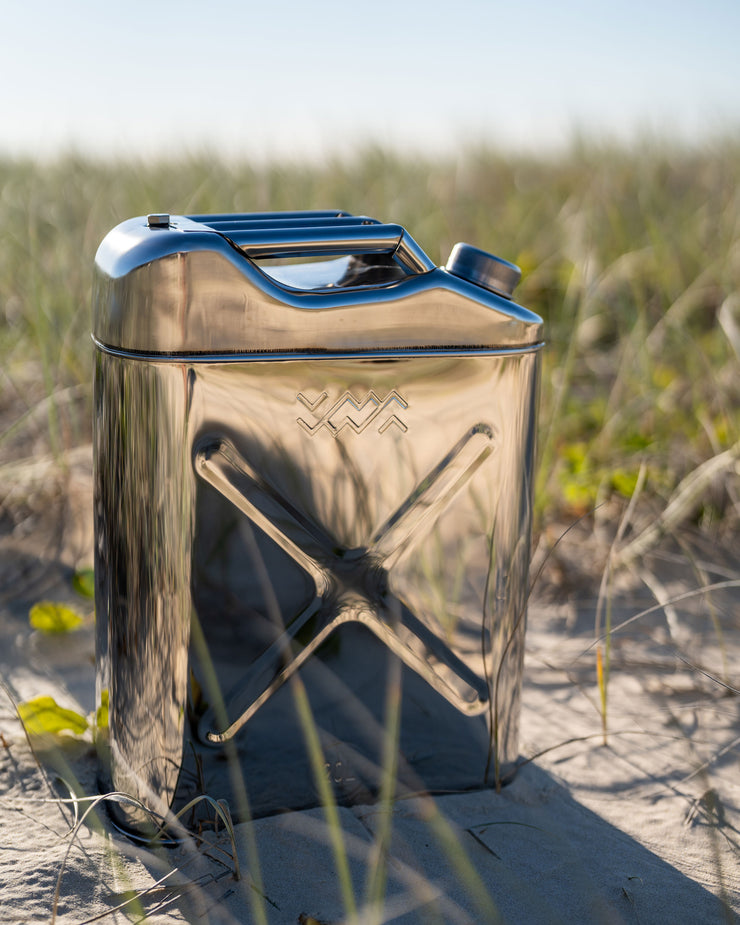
(282, 282)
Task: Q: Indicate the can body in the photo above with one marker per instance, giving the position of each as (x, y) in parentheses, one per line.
(311, 519)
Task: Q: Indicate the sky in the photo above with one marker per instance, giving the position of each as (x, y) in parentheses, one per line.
(305, 80)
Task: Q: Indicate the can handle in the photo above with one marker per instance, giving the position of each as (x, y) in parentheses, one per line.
(312, 234)
(260, 244)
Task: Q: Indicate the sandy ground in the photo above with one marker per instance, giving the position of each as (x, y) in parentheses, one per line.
(645, 829)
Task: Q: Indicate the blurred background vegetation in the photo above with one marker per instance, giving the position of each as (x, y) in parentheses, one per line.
(631, 255)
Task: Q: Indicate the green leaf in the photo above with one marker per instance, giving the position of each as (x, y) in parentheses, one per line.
(624, 482)
(84, 582)
(101, 714)
(43, 716)
(48, 617)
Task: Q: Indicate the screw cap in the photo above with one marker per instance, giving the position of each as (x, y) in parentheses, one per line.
(484, 269)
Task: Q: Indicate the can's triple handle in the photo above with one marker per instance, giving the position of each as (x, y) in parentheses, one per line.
(334, 239)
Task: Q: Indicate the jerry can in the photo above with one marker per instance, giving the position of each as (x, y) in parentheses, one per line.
(313, 496)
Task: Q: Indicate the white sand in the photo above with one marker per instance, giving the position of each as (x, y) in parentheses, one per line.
(644, 830)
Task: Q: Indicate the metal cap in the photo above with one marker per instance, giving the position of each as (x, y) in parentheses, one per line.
(480, 267)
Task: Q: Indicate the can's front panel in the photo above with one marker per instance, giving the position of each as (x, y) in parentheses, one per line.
(335, 514)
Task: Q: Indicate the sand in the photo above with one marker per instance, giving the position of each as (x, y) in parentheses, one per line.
(643, 829)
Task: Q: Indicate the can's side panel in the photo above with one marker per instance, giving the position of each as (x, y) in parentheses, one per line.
(508, 588)
(143, 490)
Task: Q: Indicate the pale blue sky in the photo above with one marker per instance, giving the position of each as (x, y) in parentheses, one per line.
(296, 79)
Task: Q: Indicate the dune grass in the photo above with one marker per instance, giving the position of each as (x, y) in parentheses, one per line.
(632, 257)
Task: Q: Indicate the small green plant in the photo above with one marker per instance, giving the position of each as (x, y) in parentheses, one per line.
(55, 618)
(49, 617)
(42, 716)
(83, 582)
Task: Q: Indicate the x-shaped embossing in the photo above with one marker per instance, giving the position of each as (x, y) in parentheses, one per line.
(351, 584)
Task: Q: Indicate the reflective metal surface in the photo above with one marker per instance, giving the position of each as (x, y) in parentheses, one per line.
(143, 537)
(188, 288)
(314, 512)
(488, 271)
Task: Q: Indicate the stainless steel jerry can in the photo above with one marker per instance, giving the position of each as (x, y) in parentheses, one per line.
(313, 465)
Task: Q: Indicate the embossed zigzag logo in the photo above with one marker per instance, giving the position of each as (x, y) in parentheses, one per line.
(347, 411)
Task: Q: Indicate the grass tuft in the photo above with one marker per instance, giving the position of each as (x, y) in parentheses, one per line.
(630, 256)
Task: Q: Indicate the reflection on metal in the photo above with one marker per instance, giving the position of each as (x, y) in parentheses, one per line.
(352, 584)
(322, 465)
(488, 271)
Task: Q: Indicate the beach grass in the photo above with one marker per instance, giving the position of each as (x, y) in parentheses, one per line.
(631, 256)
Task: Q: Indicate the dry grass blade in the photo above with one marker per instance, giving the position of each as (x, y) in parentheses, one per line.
(375, 884)
(603, 659)
(712, 677)
(163, 826)
(682, 502)
(684, 596)
(318, 763)
(94, 802)
(729, 319)
(628, 254)
(662, 596)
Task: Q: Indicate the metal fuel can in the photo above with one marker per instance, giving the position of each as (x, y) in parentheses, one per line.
(313, 487)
